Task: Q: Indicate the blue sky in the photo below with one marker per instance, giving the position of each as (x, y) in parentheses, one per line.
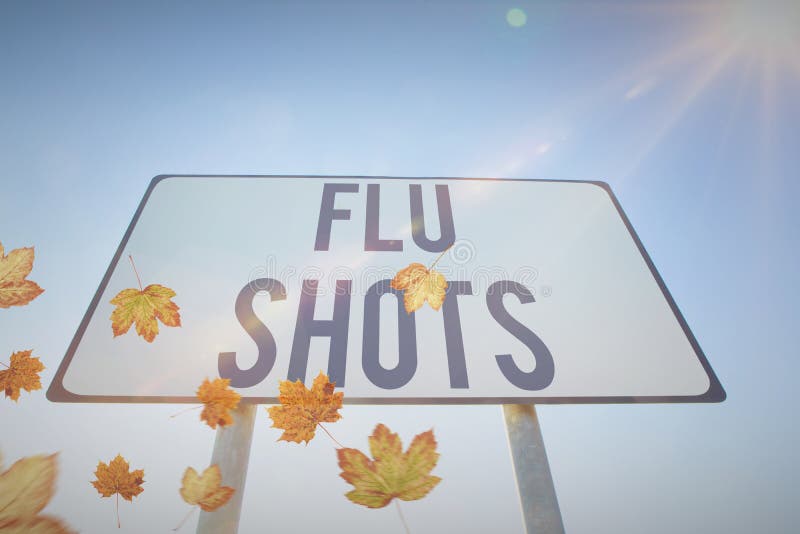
(689, 111)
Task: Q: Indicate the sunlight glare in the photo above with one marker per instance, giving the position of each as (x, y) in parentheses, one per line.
(764, 26)
(516, 17)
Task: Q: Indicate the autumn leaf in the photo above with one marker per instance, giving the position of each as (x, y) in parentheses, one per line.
(302, 409)
(116, 478)
(143, 307)
(23, 373)
(391, 473)
(419, 284)
(15, 290)
(25, 489)
(205, 490)
(40, 524)
(218, 402)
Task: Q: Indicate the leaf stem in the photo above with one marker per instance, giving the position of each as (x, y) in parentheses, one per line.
(119, 525)
(439, 257)
(184, 411)
(331, 436)
(186, 517)
(402, 517)
(136, 272)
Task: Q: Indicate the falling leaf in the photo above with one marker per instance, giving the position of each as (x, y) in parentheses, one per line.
(23, 373)
(27, 486)
(205, 490)
(218, 400)
(25, 489)
(116, 478)
(302, 409)
(420, 284)
(40, 524)
(143, 307)
(391, 473)
(15, 290)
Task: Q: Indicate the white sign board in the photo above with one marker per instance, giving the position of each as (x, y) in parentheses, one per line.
(551, 297)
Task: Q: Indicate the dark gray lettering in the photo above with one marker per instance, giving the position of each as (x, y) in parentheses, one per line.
(327, 213)
(307, 327)
(447, 231)
(372, 240)
(265, 342)
(542, 374)
(454, 339)
(407, 336)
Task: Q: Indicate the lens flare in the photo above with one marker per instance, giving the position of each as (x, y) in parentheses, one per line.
(516, 18)
(764, 26)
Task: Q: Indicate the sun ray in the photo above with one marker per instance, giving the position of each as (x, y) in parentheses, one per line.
(742, 82)
(678, 110)
(709, 37)
(754, 35)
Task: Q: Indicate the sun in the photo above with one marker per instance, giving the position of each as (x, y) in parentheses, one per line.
(757, 31)
(748, 50)
(764, 28)
(755, 43)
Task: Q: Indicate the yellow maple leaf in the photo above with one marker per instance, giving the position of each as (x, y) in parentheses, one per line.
(23, 373)
(302, 409)
(391, 473)
(419, 284)
(40, 524)
(205, 490)
(143, 307)
(218, 401)
(116, 478)
(15, 267)
(25, 489)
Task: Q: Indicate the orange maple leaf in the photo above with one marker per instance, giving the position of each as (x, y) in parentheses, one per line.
(302, 409)
(218, 401)
(15, 290)
(25, 489)
(391, 473)
(419, 284)
(40, 524)
(116, 478)
(23, 373)
(205, 490)
(143, 307)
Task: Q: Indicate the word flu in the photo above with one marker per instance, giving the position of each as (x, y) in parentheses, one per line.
(336, 328)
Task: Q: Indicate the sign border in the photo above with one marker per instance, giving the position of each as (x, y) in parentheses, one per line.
(56, 392)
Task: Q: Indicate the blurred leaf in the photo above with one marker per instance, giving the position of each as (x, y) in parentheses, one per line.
(205, 490)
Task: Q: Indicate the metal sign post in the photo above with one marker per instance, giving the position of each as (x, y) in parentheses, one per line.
(232, 454)
(537, 493)
(534, 481)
